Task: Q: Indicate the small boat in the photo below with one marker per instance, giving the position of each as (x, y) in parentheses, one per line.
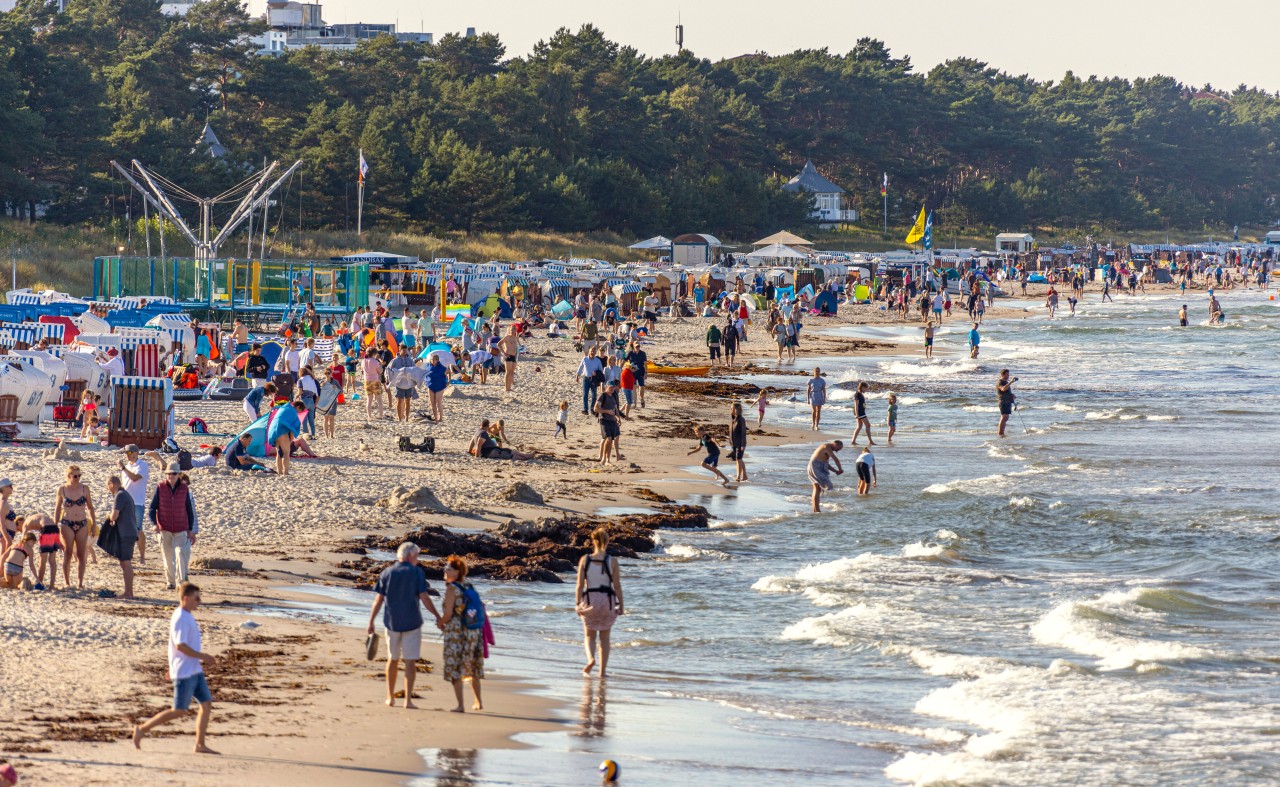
(682, 371)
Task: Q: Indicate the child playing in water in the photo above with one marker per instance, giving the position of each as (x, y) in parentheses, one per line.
(713, 453)
(893, 415)
(562, 420)
(762, 401)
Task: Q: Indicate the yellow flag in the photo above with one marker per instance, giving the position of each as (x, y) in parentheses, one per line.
(917, 230)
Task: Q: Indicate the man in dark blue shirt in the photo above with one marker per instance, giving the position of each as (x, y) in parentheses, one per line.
(237, 456)
(399, 589)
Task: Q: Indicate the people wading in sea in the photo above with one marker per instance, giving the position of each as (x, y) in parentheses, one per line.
(1005, 396)
(820, 469)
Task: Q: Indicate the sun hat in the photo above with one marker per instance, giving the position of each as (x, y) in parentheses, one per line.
(173, 467)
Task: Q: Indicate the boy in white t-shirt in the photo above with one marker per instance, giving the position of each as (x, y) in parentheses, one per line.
(186, 670)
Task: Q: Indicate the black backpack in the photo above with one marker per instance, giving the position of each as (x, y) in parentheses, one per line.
(184, 459)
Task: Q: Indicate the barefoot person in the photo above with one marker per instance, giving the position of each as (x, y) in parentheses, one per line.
(713, 453)
(120, 535)
(816, 393)
(75, 517)
(463, 641)
(974, 340)
(820, 470)
(186, 670)
(598, 599)
(738, 441)
(509, 346)
(1005, 396)
(860, 412)
(866, 467)
(400, 589)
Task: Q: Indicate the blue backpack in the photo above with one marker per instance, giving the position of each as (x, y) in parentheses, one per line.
(473, 615)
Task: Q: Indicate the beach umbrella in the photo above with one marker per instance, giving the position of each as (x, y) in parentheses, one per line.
(777, 251)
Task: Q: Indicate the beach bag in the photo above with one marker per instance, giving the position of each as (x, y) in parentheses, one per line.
(473, 616)
(184, 459)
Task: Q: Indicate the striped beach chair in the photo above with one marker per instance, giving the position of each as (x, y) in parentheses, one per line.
(145, 359)
(324, 349)
(141, 411)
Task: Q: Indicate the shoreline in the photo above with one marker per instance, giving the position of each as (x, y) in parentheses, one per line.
(302, 548)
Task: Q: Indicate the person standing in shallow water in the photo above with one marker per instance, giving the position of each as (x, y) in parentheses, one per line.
(598, 599)
(819, 470)
(816, 393)
(1005, 397)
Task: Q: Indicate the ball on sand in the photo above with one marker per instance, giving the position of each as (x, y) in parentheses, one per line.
(609, 771)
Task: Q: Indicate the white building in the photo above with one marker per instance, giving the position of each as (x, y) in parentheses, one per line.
(1014, 243)
(828, 198)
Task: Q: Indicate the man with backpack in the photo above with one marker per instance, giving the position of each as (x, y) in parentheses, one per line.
(399, 590)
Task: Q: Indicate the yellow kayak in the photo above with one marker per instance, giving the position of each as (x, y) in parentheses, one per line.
(684, 371)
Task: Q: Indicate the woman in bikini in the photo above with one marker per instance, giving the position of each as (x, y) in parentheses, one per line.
(8, 518)
(76, 519)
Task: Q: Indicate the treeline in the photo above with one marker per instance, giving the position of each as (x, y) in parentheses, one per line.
(584, 134)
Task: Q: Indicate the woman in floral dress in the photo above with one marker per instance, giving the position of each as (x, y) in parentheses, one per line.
(463, 647)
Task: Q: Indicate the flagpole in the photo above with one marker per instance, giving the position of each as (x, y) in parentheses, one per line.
(884, 193)
(360, 199)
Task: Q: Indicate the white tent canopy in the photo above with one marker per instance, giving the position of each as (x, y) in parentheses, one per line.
(777, 251)
(656, 242)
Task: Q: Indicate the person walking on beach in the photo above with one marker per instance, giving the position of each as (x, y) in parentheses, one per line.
(591, 373)
(1106, 289)
(173, 513)
(705, 441)
(598, 599)
(309, 391)
(762, 402)
(866, 467)
(738, 441)
(974, 339)
(1005, 398)
(186, 671)
(820, 468)
(928, 341)
(402, 374)
(136, 475)
(608, 412)
(639, 361)
(371, 368)
(860, 413)
(76, 520)
(400, 589)
(120, 534)
(463, 638)
(437, 381)
(816, 394)
(257, 368)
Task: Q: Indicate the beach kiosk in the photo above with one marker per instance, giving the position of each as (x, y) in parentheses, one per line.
(1014, 243)
(695, 250)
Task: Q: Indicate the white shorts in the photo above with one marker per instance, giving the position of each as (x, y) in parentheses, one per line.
(248, 410)
(257, 382)
(404, 645)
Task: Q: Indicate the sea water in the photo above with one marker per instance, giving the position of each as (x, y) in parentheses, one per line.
(1090, 601)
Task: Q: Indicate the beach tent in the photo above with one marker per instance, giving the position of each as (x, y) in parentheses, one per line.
(783, 238)
(827, 298)
(776, 251)
(562, 310)
(258, 429)
(656, 242)
(458, 326)
(492, 304)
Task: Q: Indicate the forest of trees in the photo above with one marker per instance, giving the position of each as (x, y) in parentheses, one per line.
(583, 133)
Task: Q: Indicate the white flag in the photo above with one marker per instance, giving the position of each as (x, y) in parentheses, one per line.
(364, 166)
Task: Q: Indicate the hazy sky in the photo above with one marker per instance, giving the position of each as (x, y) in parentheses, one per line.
(1222, 42)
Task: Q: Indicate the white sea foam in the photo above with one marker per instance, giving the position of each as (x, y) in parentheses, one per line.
(1022, 503)
(929, 368)
(1095, 628)
(834, 628)
(946, 534)
(980, 408)
(1063, 408)
(775, 584)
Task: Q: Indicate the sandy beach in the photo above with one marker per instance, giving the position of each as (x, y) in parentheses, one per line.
(77, 669)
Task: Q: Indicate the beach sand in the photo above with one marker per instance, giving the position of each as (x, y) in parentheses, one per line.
(298, 703)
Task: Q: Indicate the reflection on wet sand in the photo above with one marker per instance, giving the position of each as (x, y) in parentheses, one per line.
(591, 713)
(458, 767)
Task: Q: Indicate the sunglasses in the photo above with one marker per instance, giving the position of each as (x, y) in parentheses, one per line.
(75, 475)
(170, 473)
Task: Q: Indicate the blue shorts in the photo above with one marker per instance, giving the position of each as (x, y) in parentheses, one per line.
(187, 689)
(629, 395)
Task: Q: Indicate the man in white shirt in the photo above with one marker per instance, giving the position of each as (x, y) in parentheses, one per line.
(115, 364)
(309, 356)
(136, 474)
(186, 670)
